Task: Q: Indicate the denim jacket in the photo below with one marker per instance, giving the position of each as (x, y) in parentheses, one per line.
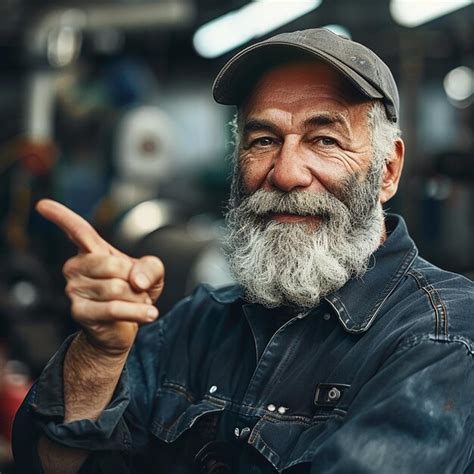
(377, 379)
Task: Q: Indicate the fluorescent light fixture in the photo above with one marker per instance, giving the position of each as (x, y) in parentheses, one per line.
(459, 84)
(416, 12)
(251, 21)
(339, 30)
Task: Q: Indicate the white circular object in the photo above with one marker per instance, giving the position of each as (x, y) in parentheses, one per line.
(144, 145)
(459, 83)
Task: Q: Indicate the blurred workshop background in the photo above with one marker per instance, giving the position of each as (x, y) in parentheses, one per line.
(106, 106)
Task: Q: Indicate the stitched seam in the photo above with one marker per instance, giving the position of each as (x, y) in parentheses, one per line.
(237, 408)
(415, 340)
(439, 308)
(174, 387)
(422, 284)
(257, 434)
(435, 309)
(173, 428)
(303, 420)
(280, 368)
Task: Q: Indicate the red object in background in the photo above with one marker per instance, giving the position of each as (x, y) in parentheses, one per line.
(13, 389)
(37, 157)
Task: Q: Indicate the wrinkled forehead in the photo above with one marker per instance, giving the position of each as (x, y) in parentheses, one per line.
(302, 78)
(299, 90)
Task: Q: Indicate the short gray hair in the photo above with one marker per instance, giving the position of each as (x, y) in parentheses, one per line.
(384, 133)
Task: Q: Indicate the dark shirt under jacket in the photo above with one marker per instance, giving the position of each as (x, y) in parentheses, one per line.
(377, 379)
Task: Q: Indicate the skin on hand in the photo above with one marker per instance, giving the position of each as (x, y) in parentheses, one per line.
(111, 293)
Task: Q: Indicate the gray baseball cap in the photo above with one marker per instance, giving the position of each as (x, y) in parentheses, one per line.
(360, 65)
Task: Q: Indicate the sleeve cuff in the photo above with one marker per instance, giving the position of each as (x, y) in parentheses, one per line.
(108, 432)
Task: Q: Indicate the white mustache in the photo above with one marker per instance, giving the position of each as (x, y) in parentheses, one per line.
(303, 203)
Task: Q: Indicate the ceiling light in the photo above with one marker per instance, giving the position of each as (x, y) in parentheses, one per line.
(416, 12)
(251, 21)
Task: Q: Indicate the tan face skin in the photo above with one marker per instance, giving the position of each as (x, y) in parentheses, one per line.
(305, 128)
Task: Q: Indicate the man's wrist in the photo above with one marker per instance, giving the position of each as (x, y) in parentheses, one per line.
(90, 377)
(94, 352)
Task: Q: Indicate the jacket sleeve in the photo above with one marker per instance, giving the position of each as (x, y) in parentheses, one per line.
(415, 415)
(115, 431)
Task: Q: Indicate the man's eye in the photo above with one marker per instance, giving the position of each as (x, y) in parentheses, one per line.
(263, 142)
(327, 141)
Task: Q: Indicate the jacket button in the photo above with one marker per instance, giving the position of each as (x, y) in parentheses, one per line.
(282, 410)
(271, 407)
(213, 389)
(242, 434)
(334, 394)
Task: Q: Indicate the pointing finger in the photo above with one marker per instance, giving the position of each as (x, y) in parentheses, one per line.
(82, 234)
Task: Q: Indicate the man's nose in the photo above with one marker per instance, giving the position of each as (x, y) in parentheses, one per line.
(290, 170)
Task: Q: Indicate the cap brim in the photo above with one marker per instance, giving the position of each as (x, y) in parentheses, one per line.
(240, 74)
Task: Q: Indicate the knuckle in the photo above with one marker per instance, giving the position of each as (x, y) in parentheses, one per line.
(113, 309)
(117, 288)
(69, 289)
(111, 265)
(77, 308)
(115, 266)
(68, 268)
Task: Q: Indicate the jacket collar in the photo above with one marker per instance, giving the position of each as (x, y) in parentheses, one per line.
(226, 294)
(358, 302)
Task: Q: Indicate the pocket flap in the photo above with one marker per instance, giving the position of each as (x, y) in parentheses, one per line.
(176, 411)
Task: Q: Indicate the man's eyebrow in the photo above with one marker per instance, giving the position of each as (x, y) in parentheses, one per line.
(327, 119)
(255, 125)
(318, 120)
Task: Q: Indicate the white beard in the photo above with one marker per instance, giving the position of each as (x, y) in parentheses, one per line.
(293, 264)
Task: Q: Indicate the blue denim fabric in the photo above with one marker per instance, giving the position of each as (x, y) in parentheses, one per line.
(377, 379)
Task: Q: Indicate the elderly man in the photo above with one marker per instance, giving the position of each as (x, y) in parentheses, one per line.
(339, 351)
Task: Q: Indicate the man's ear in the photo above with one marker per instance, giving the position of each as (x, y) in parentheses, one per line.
(392, 172)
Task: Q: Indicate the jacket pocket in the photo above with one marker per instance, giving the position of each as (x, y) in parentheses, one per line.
(290, 440)
(176, 410)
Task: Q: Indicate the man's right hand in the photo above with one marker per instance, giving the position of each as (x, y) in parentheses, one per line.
(111, 293)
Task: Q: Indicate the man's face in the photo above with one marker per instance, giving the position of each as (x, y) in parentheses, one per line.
(303, 129)
(308, 216)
